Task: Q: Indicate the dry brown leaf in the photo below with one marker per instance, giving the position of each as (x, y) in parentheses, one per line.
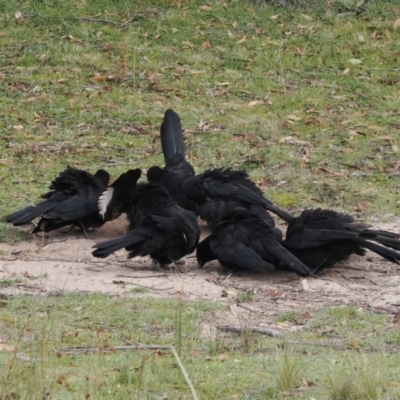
(361, 206)
(6, 162)
(386, 138)
(223, 357)
(396, 23)
(98, 78)
(285, 139)
(205, 45)
(19, 18)
(346, 71)
(253, 103)
(229, 293)
(281, 183)
(332, 173)
(18, 127)
(283, 324)
(196, 72)
(7, 347)
(242, 39)
(274, 42)
(72, 38)
(188, 43)
(275, 17)
(230, 34)
(205, 8)
(108, 46)
(195, 353)
(306, 383)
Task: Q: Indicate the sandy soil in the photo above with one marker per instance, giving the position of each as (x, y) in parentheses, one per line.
(62, 262)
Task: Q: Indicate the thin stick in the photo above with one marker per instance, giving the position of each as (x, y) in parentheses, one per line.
(137, 284)
(334, 346)
(116, 336)
(248, 308)
(184, 373)
(257, 329)
(134, 18)
(143, 276)
(86, 350)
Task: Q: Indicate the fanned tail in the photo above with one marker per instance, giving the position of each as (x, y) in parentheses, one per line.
(172, 138)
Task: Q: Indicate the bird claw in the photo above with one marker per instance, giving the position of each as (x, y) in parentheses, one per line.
(179, 268)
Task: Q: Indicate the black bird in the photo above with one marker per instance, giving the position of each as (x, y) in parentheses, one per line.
(243, 239)
(158, 228)
(221, 190)
(176, 169)
(72, 199)
(321, 238)
(116, 199)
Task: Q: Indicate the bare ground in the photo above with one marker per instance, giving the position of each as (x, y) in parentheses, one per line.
(62, 262)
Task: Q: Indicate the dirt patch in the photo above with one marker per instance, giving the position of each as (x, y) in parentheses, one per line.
(62, 262)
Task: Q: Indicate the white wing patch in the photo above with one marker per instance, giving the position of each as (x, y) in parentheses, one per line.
(104, 200)
(184, 236)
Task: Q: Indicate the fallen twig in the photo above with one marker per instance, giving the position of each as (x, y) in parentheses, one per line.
(335, 346)
(90, 349)
(143, 276)
(116, 336)
(134, 18)
(137, 284)
(257, 329)
(248, 308)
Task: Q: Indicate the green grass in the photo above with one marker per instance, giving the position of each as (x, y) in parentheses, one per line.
(267, 89)
(34, 331)
(10, 282)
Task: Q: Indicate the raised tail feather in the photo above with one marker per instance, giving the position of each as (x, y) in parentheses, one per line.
(280, 213)
(291, 262)
(172, 138)
(388, 239)
(29, 213)
(107, 247)
(383, 251)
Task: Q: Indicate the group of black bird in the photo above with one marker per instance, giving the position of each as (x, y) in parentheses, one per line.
(163, 216)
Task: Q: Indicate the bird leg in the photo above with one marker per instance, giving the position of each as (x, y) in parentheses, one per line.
(317, 269)
(83, 229)
(177, 264)
(163, 267)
